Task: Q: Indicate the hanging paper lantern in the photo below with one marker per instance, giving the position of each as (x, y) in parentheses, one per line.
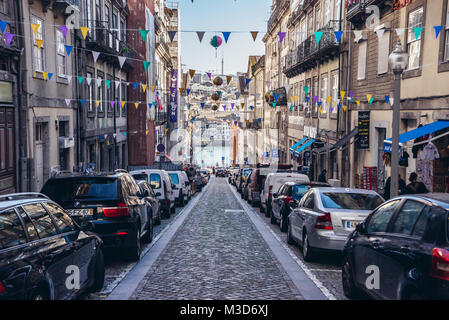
(215, 97)
(218, 81)
(216, 41)
(215, 107)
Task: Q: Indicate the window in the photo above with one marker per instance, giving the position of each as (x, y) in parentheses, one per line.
(407, 217)
(317, 18)
(38, 54)
(324, 87)
(174, 178)
(415, 19)
(114, 30)
(334, 84)
(337, 9)
(327, 12)
(106, 23)
(315, 91)
(122, 31)
(109, 94)
(155, 181)
(60, 52)
(309, 202)
(82, 188)
(3, 6)
(41, 220)
(384, 53)
(350, 201)
(29, 226)
(361, 66)
(380, 219)
(11, 229)
(100, 93)
(90, 94)
(421, 224)
(446, 44)
(64, 222)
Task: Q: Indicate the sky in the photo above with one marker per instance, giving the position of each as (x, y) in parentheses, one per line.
(217, 16)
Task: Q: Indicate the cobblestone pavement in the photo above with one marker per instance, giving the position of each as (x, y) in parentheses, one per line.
(216, 254)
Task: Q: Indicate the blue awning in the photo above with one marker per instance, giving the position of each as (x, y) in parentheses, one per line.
(417, 133)
(297, 145)
(304, 146)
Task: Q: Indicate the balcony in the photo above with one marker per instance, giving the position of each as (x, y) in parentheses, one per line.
(356, 9)
(162, 46)
(308, 54)
(102, 39)
(280, 7)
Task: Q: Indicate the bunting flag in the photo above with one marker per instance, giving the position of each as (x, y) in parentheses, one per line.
(146, 64)
(83, 102)
(306, 90)
(232, 105)
(200, 35)
(80, 80)
(84, 31)
(345, 108)
(251, 107)
(368, 97)
(123, 104)
(202, 105)
(400, 31)
(247, 81)
(39, 43)
(135, 85)
(192, 73)
(95, 54)
(287, 88)
(417, 31)
(64, 30)
(242, 105)
(226, 36)
(3, 25)
(274, 104)
(351, 95)
(380, 33)
(35, 28)
(228, 79)
(209, 75)
(149, 106)
(437, 30)
(342, 94)
(276, 97)
(219, 94)
(9, 37)
(113, 104)
(67, 102)
(291, 108)
(68, 49)
(144, 87)
(50, 75)
(108, 83)
(318, 35)
(171, 35)
(387, 99)
(97, 103)
(187, 91)
(260, 120)
(392, 101)
(371, 101)
(315, 99)
(152, 87)
(89, 80)
(329, 99)
(358, 103)
(98, 82)
(338, 35)
(254, 34)
(144, 34)
(358, 35)
(121, 61)
(136, 104)
(281, 36)
(147, 131)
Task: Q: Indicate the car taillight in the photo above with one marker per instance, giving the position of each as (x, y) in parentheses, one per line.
(270, 188)
(2, 287)
(121, 210)
(324, 222)
(440, 264)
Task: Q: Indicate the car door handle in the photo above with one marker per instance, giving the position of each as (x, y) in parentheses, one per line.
(405, 249)
(377, 245)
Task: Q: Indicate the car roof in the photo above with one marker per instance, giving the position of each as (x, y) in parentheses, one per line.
(17, 199)
(345, 190)
(77, 175)
(440, 199)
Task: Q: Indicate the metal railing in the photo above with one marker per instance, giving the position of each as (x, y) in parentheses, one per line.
(280, 5)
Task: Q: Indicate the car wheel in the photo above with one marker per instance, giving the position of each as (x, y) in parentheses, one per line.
(307, 250)
(148, 237)
(349, 288)
(283, 224)
(99, 272)
(134, 253)
(289, 234)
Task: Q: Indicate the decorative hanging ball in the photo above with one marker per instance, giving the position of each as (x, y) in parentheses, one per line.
(215, 97)
(215, 107)
(218, 81)
(216, 41)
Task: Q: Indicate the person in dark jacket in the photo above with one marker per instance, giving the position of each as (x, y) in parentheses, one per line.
(402, 187)
(415, 186)
(322, 176)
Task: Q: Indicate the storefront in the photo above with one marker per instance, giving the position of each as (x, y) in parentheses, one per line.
(7, 138)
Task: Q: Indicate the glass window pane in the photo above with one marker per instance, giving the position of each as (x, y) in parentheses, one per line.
(30, 229)
(41, 220)
(407, 217)
(61, 218)
(421, 224)
(155, 181)
(380, 219)
(11, 230)
(350, 201)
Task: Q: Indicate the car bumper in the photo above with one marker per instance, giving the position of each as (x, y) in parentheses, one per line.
(327, 240)
(115, 234)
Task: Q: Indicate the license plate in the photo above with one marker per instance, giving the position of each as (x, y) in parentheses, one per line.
(80, 212)
(351, 224)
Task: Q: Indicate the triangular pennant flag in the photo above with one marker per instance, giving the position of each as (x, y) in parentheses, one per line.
(281, 36)
(399, 31)
(3, 25)
(315, 99)
(147, 131)
(98, 82)
(145, 65)
(226, 36)
(150, 105)
(144, 87)
(117, 84)
(64, 30)
(329, 99)
(113, 104)
(319, 104)
(50, 75)
(392, 101)
(39, 43)
(200, 35)
(437, 30)
(171, 35)
(417, 31)
(136, 104)
(95, 54)
(84, 31)
(123, 104)
(371, 101)
(68, 49)
(345, 108)
(358, 103)
(338, 35)
(307, 99)
(80, 79)
(276, 97)
(247, 81)
(192, 73)
(287, 88)
(351, 95)
(380, 33)
(121, 61)
(83, 102)
(342, 94)
(306, 90)
(188, 91)
(144, 34)
(228, 79)
(152, 87)
(368, 97)
(135, 85)
(254, 34)
(67, 102)
(97, 103)
(219, 94)
(209, 75)
(108, 83)
(35, 27)
(202, 105)
(242, 105)
(358, 35)
(318, 35)
(387, 99)
(9, 37)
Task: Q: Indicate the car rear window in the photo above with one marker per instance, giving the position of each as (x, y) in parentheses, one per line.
(155, 180)
(61, 190)
(11, 230)
(350, 201)
(300, 190)
(140, 177)
(174, 178)
(246, 172)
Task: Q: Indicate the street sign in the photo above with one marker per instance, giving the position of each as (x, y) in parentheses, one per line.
(160, 147)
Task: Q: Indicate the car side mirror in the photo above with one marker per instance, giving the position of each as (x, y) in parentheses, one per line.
(275, 195)
(158, 194)
(361, 228)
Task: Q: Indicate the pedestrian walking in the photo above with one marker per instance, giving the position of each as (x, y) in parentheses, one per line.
(322, 176)
(415, 186)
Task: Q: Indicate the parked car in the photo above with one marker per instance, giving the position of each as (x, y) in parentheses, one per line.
(179, 188)
(111, 202)
(187, 185)
(326, 216)
(161, 184)
(220, 172)
(272, 184)
(205, 175)
(406, 238)
(288, 198)
(150, 197)
(39, 241)
(243, 174)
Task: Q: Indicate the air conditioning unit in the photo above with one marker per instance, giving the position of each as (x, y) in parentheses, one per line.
(66, 142)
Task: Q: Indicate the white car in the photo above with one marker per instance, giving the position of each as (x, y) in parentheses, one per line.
(162, 186)
(188, 185)
(180, 190)
(272, 184)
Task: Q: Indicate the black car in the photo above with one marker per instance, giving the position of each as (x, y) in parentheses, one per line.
(112, 202)
(44, 254)
(400, 251)
(150, 197)
(220, 173)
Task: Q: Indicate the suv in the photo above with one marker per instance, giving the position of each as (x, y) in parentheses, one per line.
(112, 202)
(38, 243)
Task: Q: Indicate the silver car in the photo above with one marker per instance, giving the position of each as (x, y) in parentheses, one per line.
(325, 217)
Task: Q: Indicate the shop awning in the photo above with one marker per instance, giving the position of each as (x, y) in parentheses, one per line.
(304, 146)
(417, 133)
(340, 143)
(292, 149)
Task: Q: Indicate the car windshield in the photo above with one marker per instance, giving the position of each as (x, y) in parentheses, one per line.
(61, 190)
(350, 201)
(140, 177)
(300, 190)
(246, 172)
(174, 178)
(155, 181)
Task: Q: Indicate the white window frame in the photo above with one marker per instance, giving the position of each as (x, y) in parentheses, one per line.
(60, 52)
(90, 92)
(361, 60)
(383, 53)
(38, 52)
(334, 84)
(412, 41)
(446, 44)
(324, 90)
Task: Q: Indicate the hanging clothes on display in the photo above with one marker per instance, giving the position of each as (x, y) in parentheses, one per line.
(430, 152)
(403, 160)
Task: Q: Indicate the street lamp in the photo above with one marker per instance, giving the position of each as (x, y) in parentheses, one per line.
(398, 62)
